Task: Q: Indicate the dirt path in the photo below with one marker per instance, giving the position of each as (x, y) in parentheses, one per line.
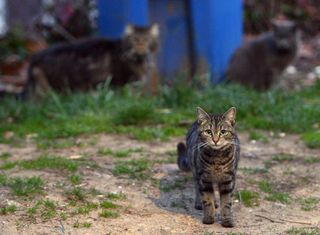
(160, 200)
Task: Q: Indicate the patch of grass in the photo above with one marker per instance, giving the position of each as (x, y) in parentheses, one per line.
(5, 155)
(25, 186)
(249, 198)
(312, 139)
(116, 196)
(312, 160)
(76, 194)
(309, 203)
(282, 158)
(8, 165)
(108, 205)
(254, 135)
(133, 168)
(109, 214)
(82, 225)
(119, 153)
(278, 197)
(134, 114)
(7, 209)
(48, 210)
(265, 186)
(303, 231)
(86, 208)
(75, 179)
(56, 144)
(253, 171)
(49, 162)
(64, 116)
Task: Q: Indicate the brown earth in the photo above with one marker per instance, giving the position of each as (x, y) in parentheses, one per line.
(149, 210)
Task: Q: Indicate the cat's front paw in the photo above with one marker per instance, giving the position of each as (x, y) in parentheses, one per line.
(208, 220)
(227, 222)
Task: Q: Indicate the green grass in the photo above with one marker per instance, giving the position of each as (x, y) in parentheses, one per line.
(108, 205)
(82, 225)
(116, 196)
(43, 162)
(303, 231)
(253, 171)
(86, 208)
(5, 155)
(7, 209)
(64, 116)
(282, 158)
(284, 198)
(312, 160)
(133, 168)
(254, 135)
(273, 195)
(312, 139)
(23, 186)
(265, 186)
(119, 153)
(309, 203)
(248, 198)
(75, 179)
(109, 214)
(76, 194)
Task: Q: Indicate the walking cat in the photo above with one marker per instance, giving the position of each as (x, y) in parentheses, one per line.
(212, 153)
(83, 64)
(259, 62)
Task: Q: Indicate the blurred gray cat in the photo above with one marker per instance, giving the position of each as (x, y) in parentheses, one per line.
(259, 62)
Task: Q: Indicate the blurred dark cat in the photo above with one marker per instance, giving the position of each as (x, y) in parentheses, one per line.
(259, 62)
(84, 64)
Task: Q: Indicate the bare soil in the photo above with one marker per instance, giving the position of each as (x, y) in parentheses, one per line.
(149, 210)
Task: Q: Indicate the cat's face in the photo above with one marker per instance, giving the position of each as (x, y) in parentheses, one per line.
(217, 131)
(141, 41)
(285, 34)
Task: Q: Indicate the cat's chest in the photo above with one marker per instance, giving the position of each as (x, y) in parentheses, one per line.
(218, 173)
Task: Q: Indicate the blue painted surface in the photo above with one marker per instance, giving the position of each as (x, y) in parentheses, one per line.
(217, 27)
(115, 14)
(173, 59)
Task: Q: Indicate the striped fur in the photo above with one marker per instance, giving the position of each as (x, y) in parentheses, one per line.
(212, 153)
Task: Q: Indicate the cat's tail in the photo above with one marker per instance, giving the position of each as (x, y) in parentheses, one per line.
(182, 157)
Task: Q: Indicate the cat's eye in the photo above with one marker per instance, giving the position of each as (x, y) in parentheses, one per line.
(209, 132)
(223, 132)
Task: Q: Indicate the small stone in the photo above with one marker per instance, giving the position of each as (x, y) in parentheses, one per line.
(282, 134)
(253, 141)
(75, 156)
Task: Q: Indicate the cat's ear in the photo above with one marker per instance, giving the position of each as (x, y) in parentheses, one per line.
(202, 115)
(128, 30)
(154, 30)
(230, 115)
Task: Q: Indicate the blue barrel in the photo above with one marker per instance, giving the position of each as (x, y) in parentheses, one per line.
(197, 36)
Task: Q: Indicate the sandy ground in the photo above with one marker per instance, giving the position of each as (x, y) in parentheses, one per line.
(149, 210)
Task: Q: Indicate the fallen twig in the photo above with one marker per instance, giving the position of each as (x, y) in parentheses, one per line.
(271, 220)
(281, 221)
(296, 222)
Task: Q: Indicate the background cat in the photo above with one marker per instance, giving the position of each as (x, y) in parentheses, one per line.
(212, 153)
(84, 64)
(259, 62)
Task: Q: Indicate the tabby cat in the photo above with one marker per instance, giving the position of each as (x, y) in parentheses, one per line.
(212, 153)
(259, 62)
(83, 64)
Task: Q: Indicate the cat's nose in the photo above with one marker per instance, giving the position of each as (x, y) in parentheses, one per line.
(215, 140)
